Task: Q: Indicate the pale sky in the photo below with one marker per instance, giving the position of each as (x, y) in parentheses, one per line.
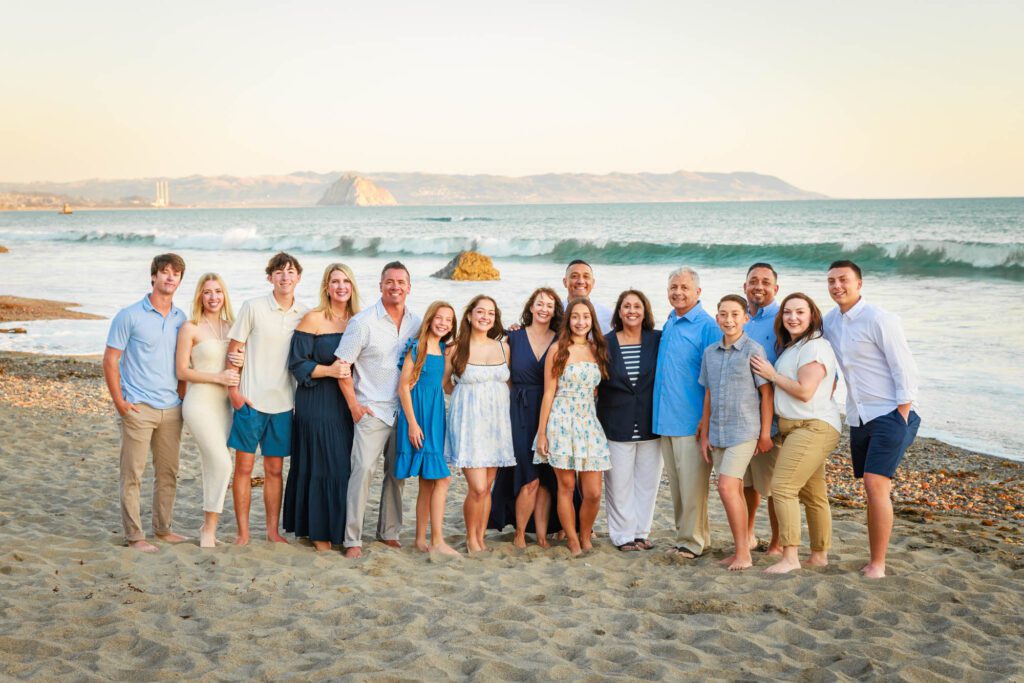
(870, 99)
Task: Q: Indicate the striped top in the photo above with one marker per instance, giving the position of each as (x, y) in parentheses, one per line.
(631, 358)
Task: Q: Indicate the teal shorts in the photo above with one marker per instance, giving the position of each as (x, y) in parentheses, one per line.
(270, 432)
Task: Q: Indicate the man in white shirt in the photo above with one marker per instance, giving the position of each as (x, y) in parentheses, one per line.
(372, 344)
(579, 282)
(881, 385)
(264, 399)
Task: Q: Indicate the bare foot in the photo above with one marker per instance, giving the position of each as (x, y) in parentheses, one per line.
(519, 539)
(818, 559)
(353, 553)
(143, 546)
(754, 542)
(474, 548)
(783, 567)
(242, 539)
(171, 538)
(391, 542)
(322, 546)
(741, 563)
(276, 538)
(422, 546)
(542, 541)
(725, 562)
(872, 571)
(207, 538)
(575, 548)
(445, 549)
(773, 550)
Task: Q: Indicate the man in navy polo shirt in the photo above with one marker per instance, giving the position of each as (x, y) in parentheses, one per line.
(138, 365)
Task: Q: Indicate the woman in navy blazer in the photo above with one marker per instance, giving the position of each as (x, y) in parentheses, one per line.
(625, 402)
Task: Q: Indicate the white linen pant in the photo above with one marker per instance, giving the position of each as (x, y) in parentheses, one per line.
(631, 489)
(373, 437)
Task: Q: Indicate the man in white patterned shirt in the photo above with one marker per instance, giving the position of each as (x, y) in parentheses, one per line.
(881, 385)
(372, 344)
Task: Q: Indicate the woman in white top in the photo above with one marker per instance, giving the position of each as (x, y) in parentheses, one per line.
(202, 346)
(804, 376)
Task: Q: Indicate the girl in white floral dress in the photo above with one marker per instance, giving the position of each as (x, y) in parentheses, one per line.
(569, 437)
(479, 434)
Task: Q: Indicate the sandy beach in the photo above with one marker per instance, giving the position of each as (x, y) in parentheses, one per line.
(77, 605)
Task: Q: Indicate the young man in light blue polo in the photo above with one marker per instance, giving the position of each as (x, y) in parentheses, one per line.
(265, 396)
(138, 365)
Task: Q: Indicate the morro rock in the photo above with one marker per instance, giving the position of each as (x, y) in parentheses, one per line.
(354, 190)
(469, 265)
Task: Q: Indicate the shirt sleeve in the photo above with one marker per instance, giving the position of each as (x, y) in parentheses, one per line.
(758, 351)
(817, 351)
(702, 379)
(898, 357)
(120, 330)
(352, 342)
(242, 328)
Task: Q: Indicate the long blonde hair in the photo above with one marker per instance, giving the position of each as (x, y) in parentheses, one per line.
(227, 314)
(325, 298)
(424, 335)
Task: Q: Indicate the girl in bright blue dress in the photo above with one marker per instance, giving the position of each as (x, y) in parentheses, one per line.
(421, 423)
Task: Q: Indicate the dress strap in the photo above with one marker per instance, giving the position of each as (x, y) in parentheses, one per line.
(502, 347)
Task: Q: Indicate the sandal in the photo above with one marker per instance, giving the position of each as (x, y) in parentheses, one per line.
(683, 552)
(628, 547)
(643, 544)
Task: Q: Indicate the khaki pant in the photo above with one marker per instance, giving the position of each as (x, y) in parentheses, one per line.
(159, 430)
(800, 478)
(688, 477)
(373, 437)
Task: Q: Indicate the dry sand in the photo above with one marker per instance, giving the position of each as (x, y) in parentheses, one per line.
(76, 605)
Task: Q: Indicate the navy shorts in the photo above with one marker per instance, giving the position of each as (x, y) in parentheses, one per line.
(271, 432)
(878, 446)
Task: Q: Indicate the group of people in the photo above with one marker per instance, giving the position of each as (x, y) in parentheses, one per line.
(571, 400)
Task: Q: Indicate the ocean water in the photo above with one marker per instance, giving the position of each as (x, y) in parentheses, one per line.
(952, 269)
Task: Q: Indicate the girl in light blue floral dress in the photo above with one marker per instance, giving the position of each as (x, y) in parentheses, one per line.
(569, 437)
(479, 434)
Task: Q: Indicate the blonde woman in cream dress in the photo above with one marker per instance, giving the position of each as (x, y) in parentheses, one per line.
(202, 347)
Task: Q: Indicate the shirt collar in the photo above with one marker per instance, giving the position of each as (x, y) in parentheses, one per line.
(857, 309)
(274, 306)
(690, 315)
(738, 344)
(771, 309)
(147, 306)
(383, 312)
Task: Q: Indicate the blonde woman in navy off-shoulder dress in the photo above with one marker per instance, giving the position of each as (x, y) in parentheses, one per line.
(314, 498)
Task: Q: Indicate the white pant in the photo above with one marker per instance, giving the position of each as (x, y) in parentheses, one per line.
(373, 437)
(631, 488)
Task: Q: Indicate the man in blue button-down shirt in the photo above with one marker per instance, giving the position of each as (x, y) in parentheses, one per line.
(678, 406)
(138, 365)
(761, 288)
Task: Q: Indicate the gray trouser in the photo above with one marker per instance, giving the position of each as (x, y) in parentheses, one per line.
(373, 437)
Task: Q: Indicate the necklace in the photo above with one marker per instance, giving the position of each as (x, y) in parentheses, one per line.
(218, 334)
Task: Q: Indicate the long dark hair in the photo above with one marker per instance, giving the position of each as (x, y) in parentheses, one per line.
(461, 356)
(647, 324)
(783, 339)
(556, 318)
(598, 345)
(424, 335)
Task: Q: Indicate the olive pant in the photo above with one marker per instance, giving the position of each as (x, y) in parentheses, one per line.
(799, 477)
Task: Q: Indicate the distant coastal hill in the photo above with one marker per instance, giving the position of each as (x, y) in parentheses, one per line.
(374, 189)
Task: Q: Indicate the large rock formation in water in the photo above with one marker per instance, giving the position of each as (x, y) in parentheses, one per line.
(354, 190)
(469, 265)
